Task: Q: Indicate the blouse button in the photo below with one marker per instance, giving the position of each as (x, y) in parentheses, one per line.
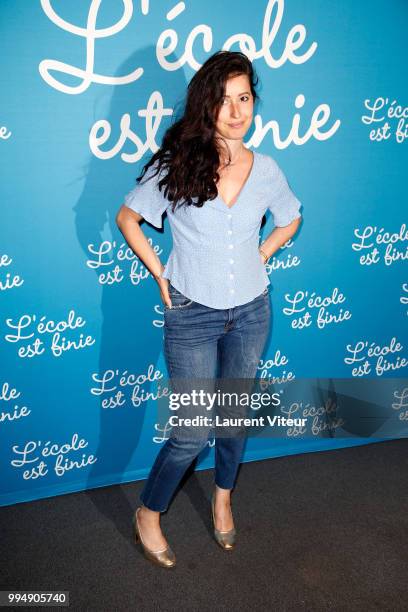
(231, 246)
(232, 290)
(231, 276)
(229, 216)
(231, 261)
(230, 232)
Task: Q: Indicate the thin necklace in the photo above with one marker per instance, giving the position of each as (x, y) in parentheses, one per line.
(237, 158)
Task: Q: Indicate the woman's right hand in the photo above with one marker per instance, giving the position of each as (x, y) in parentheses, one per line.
(164, 291)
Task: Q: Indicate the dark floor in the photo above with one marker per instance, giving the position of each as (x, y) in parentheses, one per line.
(316, 531)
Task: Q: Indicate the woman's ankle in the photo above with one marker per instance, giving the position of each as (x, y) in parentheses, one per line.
(222, 495)
(150, 515)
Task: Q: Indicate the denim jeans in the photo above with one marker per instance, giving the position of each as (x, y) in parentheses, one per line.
(202, 342)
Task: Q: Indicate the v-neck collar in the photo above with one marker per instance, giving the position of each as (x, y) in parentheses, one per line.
(244, 186)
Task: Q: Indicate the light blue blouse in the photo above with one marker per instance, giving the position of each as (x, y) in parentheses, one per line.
(215, 259)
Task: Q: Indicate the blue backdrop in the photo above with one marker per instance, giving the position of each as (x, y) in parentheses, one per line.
(88, 89)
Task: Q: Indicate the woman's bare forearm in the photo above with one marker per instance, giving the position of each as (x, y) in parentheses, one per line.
(278, 237)
(137, 241)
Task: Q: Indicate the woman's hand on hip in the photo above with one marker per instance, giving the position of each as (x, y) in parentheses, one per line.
(164, 291)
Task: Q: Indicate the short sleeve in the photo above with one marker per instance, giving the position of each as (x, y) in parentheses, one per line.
(283, 203)
(147, 199)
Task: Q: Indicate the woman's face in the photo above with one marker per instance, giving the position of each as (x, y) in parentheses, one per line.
(235, 115)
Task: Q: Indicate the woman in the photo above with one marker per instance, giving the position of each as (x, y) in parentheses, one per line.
(214, 286)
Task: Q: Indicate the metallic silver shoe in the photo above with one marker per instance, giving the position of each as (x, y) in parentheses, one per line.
(164, 557)
(226, 539)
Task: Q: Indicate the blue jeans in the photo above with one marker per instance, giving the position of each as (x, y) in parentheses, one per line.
(203, 342)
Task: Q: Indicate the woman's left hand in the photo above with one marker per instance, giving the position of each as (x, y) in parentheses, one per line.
(263, 259)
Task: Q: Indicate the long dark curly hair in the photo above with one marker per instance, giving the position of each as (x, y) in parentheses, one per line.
(189, 155)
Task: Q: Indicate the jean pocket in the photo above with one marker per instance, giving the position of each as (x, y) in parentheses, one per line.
(178, 300)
